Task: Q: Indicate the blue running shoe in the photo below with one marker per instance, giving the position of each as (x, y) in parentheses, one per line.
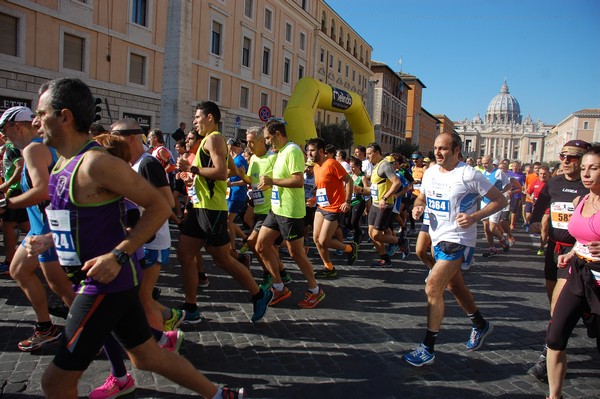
(192, 317)
(419, 356)
(261, 305)
(478, 335)
(339, 252)
(392, 249)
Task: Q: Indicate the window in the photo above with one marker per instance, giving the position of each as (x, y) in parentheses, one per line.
(304, 4)
(302, 41)
(217, 30)
(73, 47)
(244, 96)
(353, 75)
(286, 70)
(139, 12)
(249, 8)
(347, 71)
(300, 72)
(264, 99)
(322, 56)
(586, 125)
(288, 32)
(340, 66)
(268, 19)
(214, 89)
(284, 104)
(8, 33)
(266, 68)
(246, 51)
(137, 69)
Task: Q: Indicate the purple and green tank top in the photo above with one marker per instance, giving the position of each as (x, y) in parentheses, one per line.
(84, 231)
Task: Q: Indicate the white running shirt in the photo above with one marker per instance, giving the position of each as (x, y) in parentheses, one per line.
(447, 195)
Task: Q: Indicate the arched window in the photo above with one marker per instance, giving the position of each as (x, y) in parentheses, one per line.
(348, 43)
(341, 37)
(324, 23)
(332, 34)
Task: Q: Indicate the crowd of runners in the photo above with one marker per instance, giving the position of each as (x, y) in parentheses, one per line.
(97, 206)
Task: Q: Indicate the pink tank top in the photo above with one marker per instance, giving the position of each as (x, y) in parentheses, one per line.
(582, 228)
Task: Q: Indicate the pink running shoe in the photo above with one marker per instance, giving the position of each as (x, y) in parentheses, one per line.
(112, 388)
(174, 340)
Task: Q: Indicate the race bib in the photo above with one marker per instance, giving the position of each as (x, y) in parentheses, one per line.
(374, 193)
(275, 200)
(60, 225)
(560, 214)
(257, 196)
(192, 194)
(322, 199)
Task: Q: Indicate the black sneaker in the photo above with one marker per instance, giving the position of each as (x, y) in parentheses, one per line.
(326, 273)
(353, 255)
(539, 370)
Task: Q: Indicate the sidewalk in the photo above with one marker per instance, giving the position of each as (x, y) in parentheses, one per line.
(348, 347)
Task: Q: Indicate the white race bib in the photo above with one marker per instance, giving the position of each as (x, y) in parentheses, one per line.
(560, 214)
(257, 196)
(60, 225)
(322, 199)
(275, 196)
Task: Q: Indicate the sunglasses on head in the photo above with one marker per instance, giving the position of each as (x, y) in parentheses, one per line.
(568, 158)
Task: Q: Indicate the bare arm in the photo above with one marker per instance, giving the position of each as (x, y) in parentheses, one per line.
(38, 159)
(16, 176)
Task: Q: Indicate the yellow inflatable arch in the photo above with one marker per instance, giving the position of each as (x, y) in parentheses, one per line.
(310, 94)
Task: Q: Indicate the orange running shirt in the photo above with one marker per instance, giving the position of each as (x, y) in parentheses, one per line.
(331, 193)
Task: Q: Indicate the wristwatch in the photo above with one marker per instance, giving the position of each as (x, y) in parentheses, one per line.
(194, 170)
(122, 256)
(3, 203)
(384, 198)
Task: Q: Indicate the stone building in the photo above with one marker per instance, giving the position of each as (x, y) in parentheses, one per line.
(583, 125)
(503, 133)
(154, 60)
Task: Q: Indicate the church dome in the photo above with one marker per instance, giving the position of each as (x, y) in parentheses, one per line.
(503, 109)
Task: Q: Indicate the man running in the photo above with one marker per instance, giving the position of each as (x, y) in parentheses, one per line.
(209, 224)
(334, 199)
(450, 190)
(491, 224)
(287, 213)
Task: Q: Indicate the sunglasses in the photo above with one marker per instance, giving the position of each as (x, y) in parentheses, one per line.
(568, 158)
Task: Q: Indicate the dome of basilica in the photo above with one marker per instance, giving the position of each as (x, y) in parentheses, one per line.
(504, 108)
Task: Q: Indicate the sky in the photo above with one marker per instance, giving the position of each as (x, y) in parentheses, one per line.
(462, 50)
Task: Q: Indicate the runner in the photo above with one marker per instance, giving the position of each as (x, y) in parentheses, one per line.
(450, 190)
(491, 224)
(334, 199)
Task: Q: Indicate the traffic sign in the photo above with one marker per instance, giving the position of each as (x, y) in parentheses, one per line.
(238, 122)
(264, 113)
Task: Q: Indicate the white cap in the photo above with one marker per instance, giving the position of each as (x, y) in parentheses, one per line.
(16, 114)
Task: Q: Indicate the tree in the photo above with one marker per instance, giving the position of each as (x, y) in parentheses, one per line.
(340, 135)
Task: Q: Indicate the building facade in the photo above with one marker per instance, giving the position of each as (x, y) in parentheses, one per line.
(580, 125)
(388, 109)
(503, 133)
(155, 60)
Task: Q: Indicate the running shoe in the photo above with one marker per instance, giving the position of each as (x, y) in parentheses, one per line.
(244, 248)
(404, 248)
(261, 305)
(540, 252)
(61, 311)
(203, 281)
(478, 335)
(419, 357)
(232, 393)
(192, 317)
(539, 370)
(267, 281)
(382, 263)
(40, 338)
(339, 252)
(246, 260)
(511, 240)
(526, 225)
(311, 300)
(392, 249)
(353, 255)
(177, 317)
(174, 340)
(504, 244)
(4, 268)
(326, 273)
(279, 296)
(490, 252)
(112, 388)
